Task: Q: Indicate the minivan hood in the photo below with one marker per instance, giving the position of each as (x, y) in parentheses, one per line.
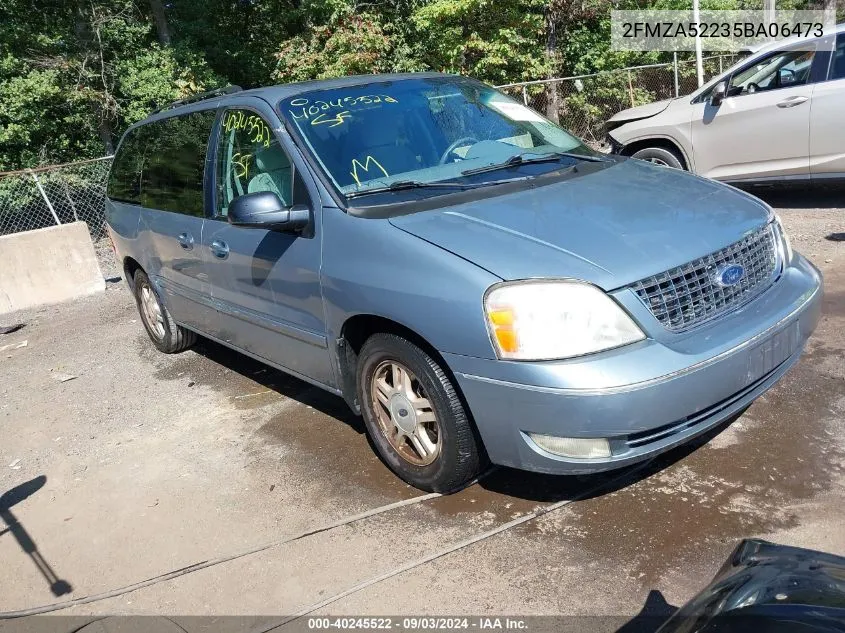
(612, 226)
(637, 113)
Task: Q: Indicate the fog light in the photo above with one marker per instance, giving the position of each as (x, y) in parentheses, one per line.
(575, 447)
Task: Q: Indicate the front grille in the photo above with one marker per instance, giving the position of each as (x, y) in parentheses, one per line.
(689, 295)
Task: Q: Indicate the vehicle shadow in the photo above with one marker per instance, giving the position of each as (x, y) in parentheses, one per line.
(654, 613)
(280, 382)
(506, 481)
(14, 496)
(830, 196)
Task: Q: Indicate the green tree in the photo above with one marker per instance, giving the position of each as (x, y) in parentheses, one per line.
(497, 41)
(239, 38)
(349, 45)
(74, 73)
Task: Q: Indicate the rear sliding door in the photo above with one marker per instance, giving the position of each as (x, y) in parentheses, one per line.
(172, 217)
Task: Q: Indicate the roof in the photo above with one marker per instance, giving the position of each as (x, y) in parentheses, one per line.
(283, 91)
(274, 94)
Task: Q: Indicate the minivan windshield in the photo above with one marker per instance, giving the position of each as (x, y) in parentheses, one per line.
(422, 131)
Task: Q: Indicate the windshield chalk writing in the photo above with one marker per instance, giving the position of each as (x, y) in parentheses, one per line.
(335, 120)
(319, 112)
(365, 167)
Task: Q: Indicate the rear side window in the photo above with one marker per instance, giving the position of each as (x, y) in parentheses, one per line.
(125, 177)
(175, 162)
(161, 165)
(837, 66)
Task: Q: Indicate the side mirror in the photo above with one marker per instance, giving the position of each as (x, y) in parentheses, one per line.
(786, 76)
(265, 210)
(717, 95)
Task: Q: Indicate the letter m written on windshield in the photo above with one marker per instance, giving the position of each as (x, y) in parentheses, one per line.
(358, 166)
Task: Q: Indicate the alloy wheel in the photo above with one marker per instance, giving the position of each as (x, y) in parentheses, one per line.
(151, 311)
(404, 413)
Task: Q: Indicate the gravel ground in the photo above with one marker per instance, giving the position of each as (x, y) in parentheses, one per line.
(144, 463)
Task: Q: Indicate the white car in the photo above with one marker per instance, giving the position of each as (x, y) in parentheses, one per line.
(777, 115)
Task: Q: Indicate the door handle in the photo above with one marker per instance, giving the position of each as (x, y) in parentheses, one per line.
(220, 249)
(186, 241)
(792, 101)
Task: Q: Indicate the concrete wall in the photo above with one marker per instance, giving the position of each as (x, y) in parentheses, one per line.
(47, 266)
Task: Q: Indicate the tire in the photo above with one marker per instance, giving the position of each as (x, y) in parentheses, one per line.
(457, 456)
(660, 156)
(164, 332)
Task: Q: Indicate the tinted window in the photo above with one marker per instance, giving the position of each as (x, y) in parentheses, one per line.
(837, 66)
(125, 177)
(782, 69)
(175, 161)
(250, 159)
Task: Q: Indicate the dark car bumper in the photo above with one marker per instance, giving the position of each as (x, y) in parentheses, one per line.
(645, 398)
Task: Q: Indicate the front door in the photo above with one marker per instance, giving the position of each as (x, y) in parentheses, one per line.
(265, 284)
(761, 128)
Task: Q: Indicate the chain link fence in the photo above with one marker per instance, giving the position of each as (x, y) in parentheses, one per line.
(47, 196)
(583, 104)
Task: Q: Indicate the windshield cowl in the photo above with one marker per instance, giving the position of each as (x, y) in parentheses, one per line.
(403, 185)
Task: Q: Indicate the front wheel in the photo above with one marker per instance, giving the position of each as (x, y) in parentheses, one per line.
(660, 156)
(414, 415)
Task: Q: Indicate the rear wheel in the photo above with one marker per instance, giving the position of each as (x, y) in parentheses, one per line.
(660, 156)
(414, 415)
(164, 332)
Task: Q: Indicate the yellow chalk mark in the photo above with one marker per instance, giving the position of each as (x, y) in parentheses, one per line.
(304, 109)
(335, 120)
(257, 130)
(241, 164)
(365, 166)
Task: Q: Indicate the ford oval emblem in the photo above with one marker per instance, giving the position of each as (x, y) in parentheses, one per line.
(730, 275)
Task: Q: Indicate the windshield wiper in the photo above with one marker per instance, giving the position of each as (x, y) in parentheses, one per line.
(521, 159)
(400, 185)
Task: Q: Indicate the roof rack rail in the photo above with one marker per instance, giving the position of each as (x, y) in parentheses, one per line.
(202, 96)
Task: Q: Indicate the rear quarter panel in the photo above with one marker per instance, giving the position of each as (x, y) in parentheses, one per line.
(122, 221)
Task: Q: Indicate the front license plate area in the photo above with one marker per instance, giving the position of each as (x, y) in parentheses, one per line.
(765, 356)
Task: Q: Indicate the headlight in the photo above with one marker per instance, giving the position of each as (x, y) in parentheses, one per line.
(787, 246)
(544, 320)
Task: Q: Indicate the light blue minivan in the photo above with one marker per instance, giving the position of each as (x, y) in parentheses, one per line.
(472, 279)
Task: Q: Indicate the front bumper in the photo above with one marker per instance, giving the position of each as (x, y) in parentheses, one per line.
(648, 397)
(614, 146)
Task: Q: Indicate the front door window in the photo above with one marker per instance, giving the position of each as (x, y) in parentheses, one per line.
(250, 159)
(783, 69)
